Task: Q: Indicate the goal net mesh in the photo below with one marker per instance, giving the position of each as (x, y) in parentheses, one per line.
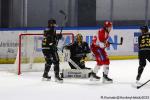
(30, 56)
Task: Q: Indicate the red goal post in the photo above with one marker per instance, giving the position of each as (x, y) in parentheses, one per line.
(30, 45)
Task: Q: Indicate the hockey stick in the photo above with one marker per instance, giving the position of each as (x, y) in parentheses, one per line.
(64, 21)
(68, 59)
(76, 73)
(143, 84)
(121, 41)
(74, 64)
(84, 73)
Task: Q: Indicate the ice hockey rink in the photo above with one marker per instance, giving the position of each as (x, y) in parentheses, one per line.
(29, 85)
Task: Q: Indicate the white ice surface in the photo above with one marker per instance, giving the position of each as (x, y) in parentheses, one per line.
(29, 86)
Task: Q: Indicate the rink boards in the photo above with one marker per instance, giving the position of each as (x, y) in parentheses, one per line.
(9, 41)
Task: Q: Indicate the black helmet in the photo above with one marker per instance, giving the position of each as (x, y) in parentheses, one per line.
(144, 28)
(52, 21)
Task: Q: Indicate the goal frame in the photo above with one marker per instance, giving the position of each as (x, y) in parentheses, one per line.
(20, 43)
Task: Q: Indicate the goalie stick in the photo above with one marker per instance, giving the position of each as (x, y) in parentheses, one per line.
(143, 84)
(68, 59)
(74, 73)
(121, 41)
(74, 64)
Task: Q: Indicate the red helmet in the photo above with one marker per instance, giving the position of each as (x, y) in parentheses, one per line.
(107, 24)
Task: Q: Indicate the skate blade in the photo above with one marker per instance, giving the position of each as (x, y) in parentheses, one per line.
(93, 79)
(58, 81)
(136, 84)
(45, 79)
(107, 82)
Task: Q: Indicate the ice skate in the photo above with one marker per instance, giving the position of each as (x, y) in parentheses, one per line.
(138, 83)
(94, 77)
(46, 77)
(106, 79)
(58, 79)
(138, 79)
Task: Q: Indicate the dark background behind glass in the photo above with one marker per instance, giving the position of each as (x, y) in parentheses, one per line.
(13, 13)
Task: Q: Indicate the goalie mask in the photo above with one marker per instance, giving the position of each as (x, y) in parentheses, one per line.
(79, 38)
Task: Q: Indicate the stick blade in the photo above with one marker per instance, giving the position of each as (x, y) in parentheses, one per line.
(143, 84)
(62, 12)
(121, 40)
(138, 87)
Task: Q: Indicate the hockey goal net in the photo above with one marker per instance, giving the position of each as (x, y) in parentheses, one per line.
(30, 56)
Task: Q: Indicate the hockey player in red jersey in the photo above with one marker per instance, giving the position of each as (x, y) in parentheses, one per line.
(98, 46)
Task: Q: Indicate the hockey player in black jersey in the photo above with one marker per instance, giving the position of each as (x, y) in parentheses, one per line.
(49, 49)
(144, 50)
(78, 51)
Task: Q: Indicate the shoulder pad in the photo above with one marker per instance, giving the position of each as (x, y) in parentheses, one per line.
(102, 30)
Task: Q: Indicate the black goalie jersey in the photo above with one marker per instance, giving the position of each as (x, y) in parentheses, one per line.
(78, 53)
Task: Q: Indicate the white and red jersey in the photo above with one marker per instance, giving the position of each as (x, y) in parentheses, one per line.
(98, 47)
(103, 35)
(101, 39)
